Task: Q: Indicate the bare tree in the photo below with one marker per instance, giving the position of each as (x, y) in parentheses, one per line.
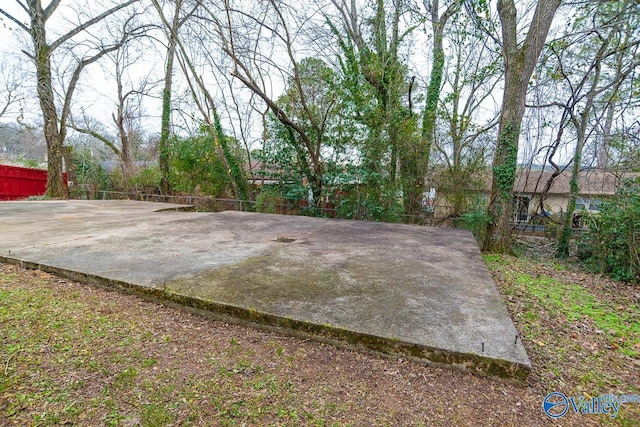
(55, 121)
(204, 100)
(278, 22)
(12, 80)
(470, 81)
(593, 81)
(128, 107)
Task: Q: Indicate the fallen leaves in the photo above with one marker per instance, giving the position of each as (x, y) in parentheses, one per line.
(239, 369)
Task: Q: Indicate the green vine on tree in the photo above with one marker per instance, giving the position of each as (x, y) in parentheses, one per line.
(234, 168)
(504, 173)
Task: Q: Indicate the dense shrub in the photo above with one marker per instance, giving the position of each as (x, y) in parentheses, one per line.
(146, 180)
(612, 243)
(265, 201)
(475, 218)
(195, 168)
(91, 176)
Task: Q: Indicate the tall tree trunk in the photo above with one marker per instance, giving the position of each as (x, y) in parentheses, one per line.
(581, 122)
(52, 135)
(126, 157)
(165, 128)
(505, 160)
(420, 159)
(438, 24)
(519, 62)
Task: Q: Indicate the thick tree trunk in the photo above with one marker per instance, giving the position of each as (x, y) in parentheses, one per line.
(126, 157)
(505, 160)
(520, 62)
(56, 187)
(165, 130)
(574, 188)
(52, 135)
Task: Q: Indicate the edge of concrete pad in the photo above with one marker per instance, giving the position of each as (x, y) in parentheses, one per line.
(473, 363)
(170, 207)
(181, 208)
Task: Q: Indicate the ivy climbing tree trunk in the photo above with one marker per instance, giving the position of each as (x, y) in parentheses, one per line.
(519, 62)
(206, 105)
(382, 68)
(165, 126)
(438, 24)
(377, 81)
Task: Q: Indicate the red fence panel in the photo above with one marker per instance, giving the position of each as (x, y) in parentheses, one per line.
(18, 182)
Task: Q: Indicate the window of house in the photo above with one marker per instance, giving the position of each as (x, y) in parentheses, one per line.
(595, 204)
(521, 208)
(588, 204)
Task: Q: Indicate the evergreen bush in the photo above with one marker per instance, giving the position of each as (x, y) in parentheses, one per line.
(612, 243)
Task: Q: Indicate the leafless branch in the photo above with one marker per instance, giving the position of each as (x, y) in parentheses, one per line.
(14, 20)
(87, 24)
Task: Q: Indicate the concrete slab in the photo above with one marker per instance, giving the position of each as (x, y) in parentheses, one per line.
(416, 292)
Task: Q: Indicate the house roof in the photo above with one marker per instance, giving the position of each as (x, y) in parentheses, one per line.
(591, 182)
(260, 173)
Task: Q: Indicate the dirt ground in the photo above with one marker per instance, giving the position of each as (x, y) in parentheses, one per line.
(116, 359)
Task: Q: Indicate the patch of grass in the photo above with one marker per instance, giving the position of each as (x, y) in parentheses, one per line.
(156, 415)
(582, 333)
(147, 363)
(102, 355)
(126, 378)
(84, 357)
(576, 304)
